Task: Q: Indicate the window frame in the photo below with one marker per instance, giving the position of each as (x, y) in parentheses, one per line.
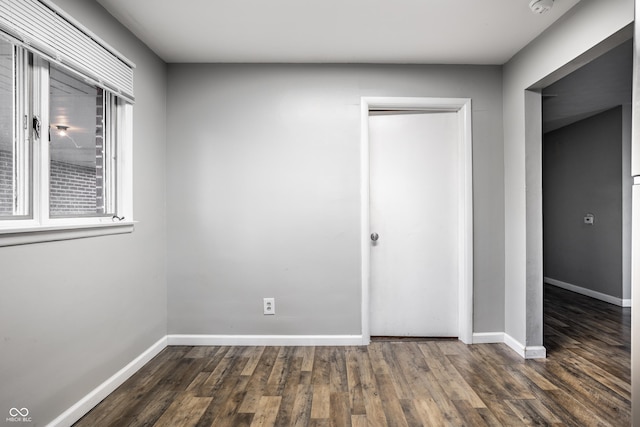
(22, 154)
(38, 226)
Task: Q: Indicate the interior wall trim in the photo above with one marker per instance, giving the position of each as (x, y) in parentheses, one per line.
(87, 403)
(462, 106)
(588, 292)
(260, 340)
(488, 337)
(526, 352)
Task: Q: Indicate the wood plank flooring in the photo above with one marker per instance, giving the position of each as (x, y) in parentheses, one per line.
(585, 381)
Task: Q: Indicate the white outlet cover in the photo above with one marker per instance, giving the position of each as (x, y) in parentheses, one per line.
(269, 306)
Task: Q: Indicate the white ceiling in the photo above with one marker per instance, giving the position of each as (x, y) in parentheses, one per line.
(372, 31)
(340, 31)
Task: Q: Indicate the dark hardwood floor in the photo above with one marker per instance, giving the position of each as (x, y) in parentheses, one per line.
(585, 381)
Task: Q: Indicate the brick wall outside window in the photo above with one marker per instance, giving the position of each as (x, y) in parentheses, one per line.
(6, 183)
(73, 189)
(99, 171)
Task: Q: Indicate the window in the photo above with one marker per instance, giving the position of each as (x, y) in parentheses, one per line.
(65, 131)
(80, 148)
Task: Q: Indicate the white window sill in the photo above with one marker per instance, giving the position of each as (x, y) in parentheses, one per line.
(50, 233)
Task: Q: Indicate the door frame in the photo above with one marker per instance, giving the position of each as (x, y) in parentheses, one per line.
(465, 201)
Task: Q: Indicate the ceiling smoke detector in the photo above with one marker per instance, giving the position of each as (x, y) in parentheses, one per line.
(540, 6)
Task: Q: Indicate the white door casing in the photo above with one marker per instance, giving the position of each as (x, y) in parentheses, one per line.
(462, 108)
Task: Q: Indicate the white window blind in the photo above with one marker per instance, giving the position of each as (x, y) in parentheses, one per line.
(43, 28)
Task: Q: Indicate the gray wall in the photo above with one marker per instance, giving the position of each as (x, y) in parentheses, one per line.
(264, 199)
(582, 173)
(73, 313)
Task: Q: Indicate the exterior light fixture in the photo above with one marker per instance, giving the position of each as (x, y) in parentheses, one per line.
(62, 130)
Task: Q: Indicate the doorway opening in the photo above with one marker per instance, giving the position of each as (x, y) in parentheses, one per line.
(586, 176)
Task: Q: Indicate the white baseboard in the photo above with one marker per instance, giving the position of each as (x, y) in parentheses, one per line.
(514, 344)
(488, 337)
(530, 352)
(84, 405)
(588, 292)
(527, 352)
(535, 352)
(260, 340)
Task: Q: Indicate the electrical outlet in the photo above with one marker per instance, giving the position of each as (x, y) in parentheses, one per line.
(269, 305)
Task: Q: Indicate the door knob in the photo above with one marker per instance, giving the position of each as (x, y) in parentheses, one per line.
(374, 236)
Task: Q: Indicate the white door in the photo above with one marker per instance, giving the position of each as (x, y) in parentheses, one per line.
(414, 211)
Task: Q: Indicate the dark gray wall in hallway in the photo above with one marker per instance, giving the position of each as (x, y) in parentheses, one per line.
(582, 173)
